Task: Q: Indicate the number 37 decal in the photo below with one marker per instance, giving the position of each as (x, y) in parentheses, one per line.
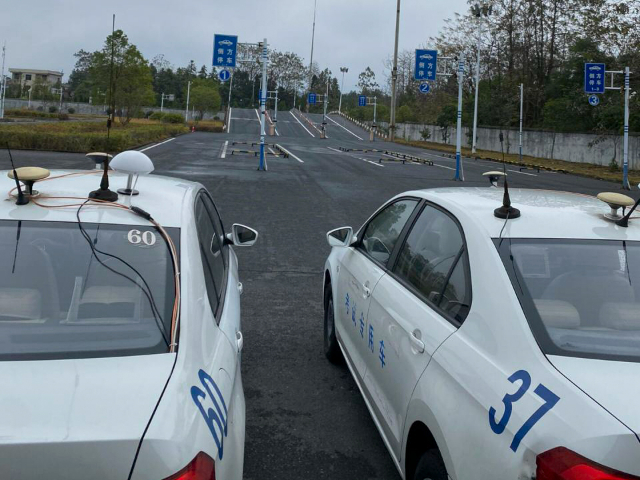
(549, 398)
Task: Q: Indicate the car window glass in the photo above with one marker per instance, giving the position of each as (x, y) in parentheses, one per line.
(455, 299)
(211, 254)
(426, 259)
(381, 234)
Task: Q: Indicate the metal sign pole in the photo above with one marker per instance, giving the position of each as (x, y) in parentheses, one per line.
(475, 106)
(375, 125)
(275, 114)
(186, 112)
(459, 171)
(3, 81)
(521, 105)
(625, 162)
(263, 103)
(162, 102)
(230, 87)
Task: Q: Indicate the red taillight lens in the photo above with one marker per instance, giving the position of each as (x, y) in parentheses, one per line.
(561, 463)
(201, 468)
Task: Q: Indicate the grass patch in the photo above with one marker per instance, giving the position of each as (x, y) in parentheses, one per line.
(86, 137)
(213, 126)
(600, 172)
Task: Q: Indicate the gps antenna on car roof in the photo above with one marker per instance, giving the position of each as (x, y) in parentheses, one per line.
(22, 199)
(624, 221)
(506, 210)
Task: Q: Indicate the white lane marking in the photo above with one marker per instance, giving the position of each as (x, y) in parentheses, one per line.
(229, 125)
(258, 115)
(302, 125)
(522, 173)
(272, 152)
(158, 144)
(443, 166)
(335, 150)
(224, 149)
(342, 126)
(372, 163)
(359, 158)
(288, 152)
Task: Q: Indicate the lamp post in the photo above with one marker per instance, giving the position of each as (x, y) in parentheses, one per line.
(313, 36)
(394, 78)
(478, 12)
(343, 70)
(186, 112)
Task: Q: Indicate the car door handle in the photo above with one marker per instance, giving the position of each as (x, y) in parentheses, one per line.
(366, 291)
(239, 340)
(417, 343)
(240, 288)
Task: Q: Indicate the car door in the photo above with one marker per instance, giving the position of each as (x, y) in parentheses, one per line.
(362, 266)
(414, 308)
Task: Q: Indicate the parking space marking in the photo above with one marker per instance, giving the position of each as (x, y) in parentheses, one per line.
(302, 125)
(443, 166)
(224, 149)
(342, 126)
(522, 173)
(258, 115)
(158, 144)
(288, 152)
(359, 158)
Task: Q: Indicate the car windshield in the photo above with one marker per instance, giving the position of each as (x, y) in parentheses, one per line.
(59, 300)
(581, 297)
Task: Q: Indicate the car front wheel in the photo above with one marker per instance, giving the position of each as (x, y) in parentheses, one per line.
(331, 347)
(431, 467)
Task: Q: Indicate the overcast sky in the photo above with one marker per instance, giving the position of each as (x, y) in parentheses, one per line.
(351, 33)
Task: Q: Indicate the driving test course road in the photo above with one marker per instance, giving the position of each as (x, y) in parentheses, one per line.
(305, 417)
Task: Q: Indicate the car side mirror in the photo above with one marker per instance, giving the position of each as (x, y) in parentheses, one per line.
(242, 236)
(341, 237)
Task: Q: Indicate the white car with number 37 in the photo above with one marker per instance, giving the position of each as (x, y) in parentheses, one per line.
(120, 329)
(493, 345)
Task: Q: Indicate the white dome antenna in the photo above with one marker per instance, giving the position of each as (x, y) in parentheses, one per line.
(131, 162)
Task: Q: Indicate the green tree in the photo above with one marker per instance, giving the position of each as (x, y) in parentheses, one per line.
(367, 81)
(205, 96)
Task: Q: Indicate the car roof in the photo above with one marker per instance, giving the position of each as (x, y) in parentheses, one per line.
(162, 197)
(544, 213)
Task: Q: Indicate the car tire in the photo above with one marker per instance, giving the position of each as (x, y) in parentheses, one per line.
(331, 347)
(431, 467)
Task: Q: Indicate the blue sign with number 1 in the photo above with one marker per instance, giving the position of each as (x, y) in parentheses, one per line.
(224, 75)
(362, 101)
(312, 99)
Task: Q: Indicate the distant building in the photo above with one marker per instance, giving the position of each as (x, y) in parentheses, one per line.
(26, 77)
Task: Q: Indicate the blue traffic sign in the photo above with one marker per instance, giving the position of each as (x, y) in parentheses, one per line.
(312, 99)
(594, 100)
(224, 75)
(594, 77)
(425, 87)
(224, 50)
(426, 64)
(362, 101)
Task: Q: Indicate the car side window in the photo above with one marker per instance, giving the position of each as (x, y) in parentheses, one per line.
(433, 260)
(382, 232)
(211, 251)
(217, 244)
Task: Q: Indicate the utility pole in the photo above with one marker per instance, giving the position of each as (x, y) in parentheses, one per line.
(521, 111)
(263, 103)
(478, 12)
(4, 82)
(324, 115)
(343, 70)
(230, 87)
(394, 78)
(459, 170)
(186, 112)
(275, 114)
(625, 154)
(162, 102)
(313, 36)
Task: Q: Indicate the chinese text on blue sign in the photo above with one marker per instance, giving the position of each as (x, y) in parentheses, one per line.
(594, 77)
(362, 101)
(312, 99)
(426, 64)
(224, 50)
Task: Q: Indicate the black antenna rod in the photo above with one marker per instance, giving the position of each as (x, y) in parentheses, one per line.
(22, 199)
(506, 211)
(624, 221)
(103, 193)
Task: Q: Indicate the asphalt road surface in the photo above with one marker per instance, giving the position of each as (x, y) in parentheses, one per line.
(305, 417)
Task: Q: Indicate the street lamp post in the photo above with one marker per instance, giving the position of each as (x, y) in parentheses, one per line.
(186, 112)
(478, 12)
(343, 70)
(394, 77)
(313, 36)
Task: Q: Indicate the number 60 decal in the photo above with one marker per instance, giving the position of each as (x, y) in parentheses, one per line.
(550, 399)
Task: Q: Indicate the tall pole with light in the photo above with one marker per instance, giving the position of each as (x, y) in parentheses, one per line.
(263, 103)
(343, 70)
(3, 82)
(313, 36)
(478, 11)
(394, 77)
(186, 112)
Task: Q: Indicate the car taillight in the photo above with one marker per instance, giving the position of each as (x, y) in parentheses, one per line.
(561, 463)
(201, 468)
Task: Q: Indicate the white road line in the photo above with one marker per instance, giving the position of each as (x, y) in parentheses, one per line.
(157, 144)
(372, 163)
(272, 152)
(224, 149)
(302, 125)
(342, 126)
(288, 152)
(335, 150)
(258, 115)
(522, 173)
(229, 124)
(443, 166)
(359, 158)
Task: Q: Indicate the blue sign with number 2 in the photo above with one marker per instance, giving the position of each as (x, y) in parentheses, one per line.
(550, 399)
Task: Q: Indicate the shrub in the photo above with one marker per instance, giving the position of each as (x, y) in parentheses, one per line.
(40, 108)
(167, 117)
(613, 166)
(53, 109)
(63, 116)
(71, 110)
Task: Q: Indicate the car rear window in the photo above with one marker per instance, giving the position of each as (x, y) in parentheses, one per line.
(57, 300)
(580, 297)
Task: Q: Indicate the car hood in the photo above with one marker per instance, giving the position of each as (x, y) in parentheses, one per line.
(614, 385)
(77, 419)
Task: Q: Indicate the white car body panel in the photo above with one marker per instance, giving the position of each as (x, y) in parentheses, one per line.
(85, 418)
(469, 371)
